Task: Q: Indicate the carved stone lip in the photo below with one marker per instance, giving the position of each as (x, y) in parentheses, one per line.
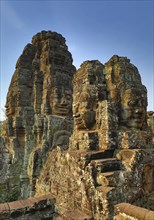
(79, 122)
(61, 111)
(138, 114)
(61, 106)
(138, 117)
(77, 118)
(76, 115)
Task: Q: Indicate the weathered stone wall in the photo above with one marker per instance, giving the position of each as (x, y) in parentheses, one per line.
(70, 177)
(93, 182)
(64, 177)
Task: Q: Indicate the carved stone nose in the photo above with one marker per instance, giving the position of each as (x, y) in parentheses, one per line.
(63, 101)
(139, 110)
(136, 111)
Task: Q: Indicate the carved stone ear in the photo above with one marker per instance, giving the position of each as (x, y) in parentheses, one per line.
(61, 138)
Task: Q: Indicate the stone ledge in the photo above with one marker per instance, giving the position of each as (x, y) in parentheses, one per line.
(134, 211)
(22, 207)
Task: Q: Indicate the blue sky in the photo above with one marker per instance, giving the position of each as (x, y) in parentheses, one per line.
(93, 30)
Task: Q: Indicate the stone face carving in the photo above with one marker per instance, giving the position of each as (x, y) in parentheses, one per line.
(130, 99)
(126, 90)
(21, 84)
(91, 108)
(89, 88)
(101, 159)
(54, 62)
(110, 102)
(133, 108)
(61, 100)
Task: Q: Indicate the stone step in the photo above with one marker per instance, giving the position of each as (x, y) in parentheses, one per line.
(106, 165)
(94, 155)
(108, 178)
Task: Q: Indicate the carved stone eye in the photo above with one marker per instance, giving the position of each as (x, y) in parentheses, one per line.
(92, 79)
(144, 103)
(68, 96)
(132, 102)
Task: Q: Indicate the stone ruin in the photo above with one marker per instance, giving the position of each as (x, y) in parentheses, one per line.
(84, 137)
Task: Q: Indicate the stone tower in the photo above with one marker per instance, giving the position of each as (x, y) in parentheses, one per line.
(129, 97)
(94, 118)
(39, 103)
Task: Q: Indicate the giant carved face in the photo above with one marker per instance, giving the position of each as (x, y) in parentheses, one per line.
(61, 102)
(10, 104)
(83, 111)
(133, 108)
(88, 84)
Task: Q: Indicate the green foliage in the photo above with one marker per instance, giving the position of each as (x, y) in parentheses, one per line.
(14, 194)
(8, 191)
(10, 187)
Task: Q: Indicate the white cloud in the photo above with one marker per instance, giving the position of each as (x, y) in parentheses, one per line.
(10, 16)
